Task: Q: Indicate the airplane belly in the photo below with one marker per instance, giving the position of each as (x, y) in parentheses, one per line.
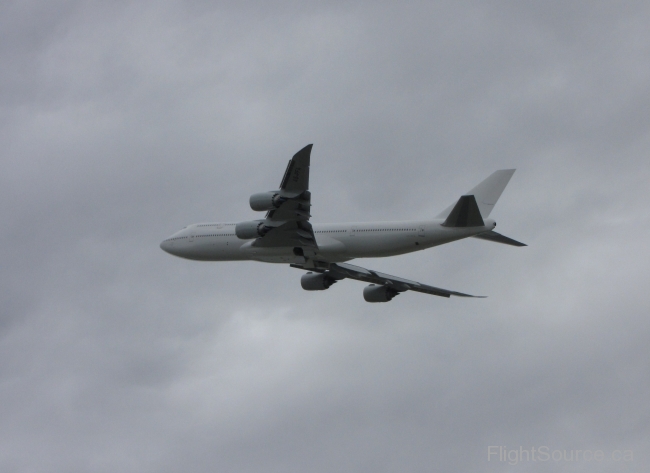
(330, 249)
(377, 246)
(282, 254)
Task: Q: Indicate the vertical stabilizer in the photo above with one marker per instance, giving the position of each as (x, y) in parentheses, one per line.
(464, 214)
(486, 193)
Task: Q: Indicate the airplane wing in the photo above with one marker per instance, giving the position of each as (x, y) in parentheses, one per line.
(288, 223)
(394, 284)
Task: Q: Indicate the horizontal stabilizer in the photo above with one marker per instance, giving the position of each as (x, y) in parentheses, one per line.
(498, 238)
(465, 214)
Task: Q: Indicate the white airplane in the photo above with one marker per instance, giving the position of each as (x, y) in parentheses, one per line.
(286, 235)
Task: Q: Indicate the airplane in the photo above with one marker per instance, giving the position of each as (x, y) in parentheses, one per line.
(287, 236)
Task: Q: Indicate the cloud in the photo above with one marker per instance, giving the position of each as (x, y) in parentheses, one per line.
(122, 123)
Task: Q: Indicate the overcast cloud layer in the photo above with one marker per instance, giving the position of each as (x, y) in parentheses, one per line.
(121, 122)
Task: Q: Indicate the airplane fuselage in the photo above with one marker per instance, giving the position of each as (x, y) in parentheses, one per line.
(337, 242)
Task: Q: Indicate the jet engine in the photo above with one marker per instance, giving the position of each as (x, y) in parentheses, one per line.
(266, 201)
(316, 281)
(376, 293)
(252, 229)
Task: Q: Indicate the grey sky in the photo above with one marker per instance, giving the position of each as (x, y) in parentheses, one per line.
(123, 122)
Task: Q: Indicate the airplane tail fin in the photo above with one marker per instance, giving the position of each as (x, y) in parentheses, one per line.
(464, 214)
(486, 193)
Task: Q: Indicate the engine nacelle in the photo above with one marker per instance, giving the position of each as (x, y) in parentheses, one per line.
(252, 229)
(266, 201)
(376, 293)
(316, 281)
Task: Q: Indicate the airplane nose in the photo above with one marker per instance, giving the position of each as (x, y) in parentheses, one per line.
(165, 246)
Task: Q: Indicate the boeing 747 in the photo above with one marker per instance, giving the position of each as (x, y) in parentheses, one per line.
(287, 236)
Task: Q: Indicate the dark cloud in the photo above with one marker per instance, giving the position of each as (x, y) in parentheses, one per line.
(122, 123)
